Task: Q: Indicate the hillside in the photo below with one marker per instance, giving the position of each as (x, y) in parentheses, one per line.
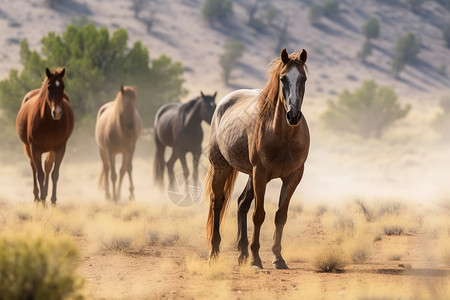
(180, 31)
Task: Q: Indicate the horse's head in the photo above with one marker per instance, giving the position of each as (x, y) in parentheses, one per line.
(292, 83)
(129, 99)
(55, 87)
(208, 106)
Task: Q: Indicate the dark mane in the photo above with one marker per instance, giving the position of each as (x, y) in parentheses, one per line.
(268, 98)
(186, 107)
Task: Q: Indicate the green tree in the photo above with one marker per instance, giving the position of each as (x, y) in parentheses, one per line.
(330, 8)
(406, 50)
(371, 28)
(368, 111)
(216, 10)
(234, 49)
(97, 65)
(366, 50)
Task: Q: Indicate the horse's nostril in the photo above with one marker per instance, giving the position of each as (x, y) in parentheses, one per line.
(289, 116)
(53, 113)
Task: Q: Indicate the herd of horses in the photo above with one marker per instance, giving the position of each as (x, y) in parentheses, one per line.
(261, 133)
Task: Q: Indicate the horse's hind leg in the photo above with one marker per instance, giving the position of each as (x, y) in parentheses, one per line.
(59, 155)
(105, 174)
(170, 164)
(50, 159)
(287, 189)
(34, 170)
(129, 171)
(244, 202)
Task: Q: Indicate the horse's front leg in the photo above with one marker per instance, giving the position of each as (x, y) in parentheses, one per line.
(112, 164)
(59, 155)
(37, 159)
(244, 201)
(195, 162)
(48, 167)
(34, 170)
(170, 164)
(287, 189)
(260, 179)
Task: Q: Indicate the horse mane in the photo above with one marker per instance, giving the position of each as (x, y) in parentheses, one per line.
(119, 97)
(186, 107)
(268, 98)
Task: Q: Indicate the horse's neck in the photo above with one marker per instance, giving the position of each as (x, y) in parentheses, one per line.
(124, 113)
(279, 124)
(192, 116)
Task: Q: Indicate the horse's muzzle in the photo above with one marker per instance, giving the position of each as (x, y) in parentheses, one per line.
(57, 114)
(293, 119)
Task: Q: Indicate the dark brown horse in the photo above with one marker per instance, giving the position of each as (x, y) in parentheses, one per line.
(44, 124)
(262, 134)
(116, 131)
(179, 126)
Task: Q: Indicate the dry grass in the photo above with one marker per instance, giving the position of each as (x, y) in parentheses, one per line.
(330, 259)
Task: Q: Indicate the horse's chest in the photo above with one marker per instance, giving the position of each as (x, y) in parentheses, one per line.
(48, 135)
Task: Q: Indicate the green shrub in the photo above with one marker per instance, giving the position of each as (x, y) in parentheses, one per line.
(233, 51)
(330, 8)
(97, 65)
(315, 14)
(371, 28)
(368, 111)
(366, 50)
(216, 10)
(38, 267)
(406, 49)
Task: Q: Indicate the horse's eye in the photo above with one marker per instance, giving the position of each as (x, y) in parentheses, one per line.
(283, 79)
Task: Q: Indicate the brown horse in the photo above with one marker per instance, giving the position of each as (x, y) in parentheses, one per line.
(44, 124)
(262, 134)
(116, 131)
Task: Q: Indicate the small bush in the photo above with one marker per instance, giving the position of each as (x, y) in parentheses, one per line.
(216, 10)
(371, 28)
(368, 111)
(393, 230)
(330, 260)
(414, 4)
(366, 50)
(330, 8)
(406, 50)
(315, 14)
(38, 267)
(234, 49)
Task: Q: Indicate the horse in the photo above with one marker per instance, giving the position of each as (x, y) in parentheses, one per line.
(44, 123)
(261, 133)
(117, 129)
(179, 126)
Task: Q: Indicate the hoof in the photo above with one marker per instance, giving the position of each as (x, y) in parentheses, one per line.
(256, 262)
(280, 264)
(242, 260)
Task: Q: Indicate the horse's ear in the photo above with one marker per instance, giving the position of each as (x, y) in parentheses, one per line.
(47, 71)
(284, 56)
(303, 56)
(63, 71)
(215, 94)
(122, 90)
(201, 93)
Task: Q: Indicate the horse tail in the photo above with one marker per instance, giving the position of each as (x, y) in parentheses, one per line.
(227, 191)
(158, 166)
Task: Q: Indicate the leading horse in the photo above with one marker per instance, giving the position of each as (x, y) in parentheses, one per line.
(262, 134)
(179, 126)
(44, 124)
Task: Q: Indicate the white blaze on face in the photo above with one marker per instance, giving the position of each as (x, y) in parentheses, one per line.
(292, 77)
(57, 83)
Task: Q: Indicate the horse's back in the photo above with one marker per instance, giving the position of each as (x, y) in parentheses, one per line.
(234, 122)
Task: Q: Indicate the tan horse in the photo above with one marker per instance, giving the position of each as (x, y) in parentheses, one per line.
(116, 131)
(44, 124)
(262, 134)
